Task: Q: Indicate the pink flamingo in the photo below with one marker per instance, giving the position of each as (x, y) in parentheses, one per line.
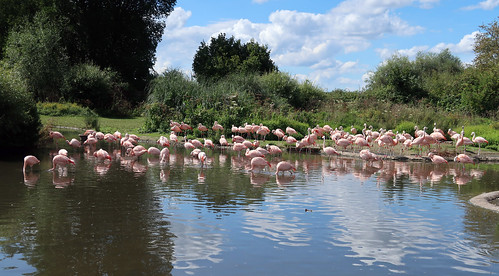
(196, 143)
(153, 151)
(138, 151)
(30, 160)
(284, 166)
(274, 150)
(217, 126)
(367, 155)
(463, 141)
(163, 141)
(279, 133)
(102, 154)
(164, 155)
(478, 140)
(208, 143)
(253, 153)
(437, 159)
(463, 158)
(61, 160)
(189, 145)
(74, 143)
(63, 152)
(223, 141)
(238, 147)
(291, 131)
(329, 151)
(202, 158)
(248, 144)
(259, 162)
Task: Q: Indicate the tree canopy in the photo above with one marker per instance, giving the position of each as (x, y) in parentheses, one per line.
(486, 46)
(121, 35)
(224, 56)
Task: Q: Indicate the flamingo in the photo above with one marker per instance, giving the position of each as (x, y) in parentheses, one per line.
(284, 166)
(223, 141)
(329, 151)
(274, 150)
(30, 160)
(208, 143)
(238, 147)
(367, 155)
(164, 155)
(61, 160)
(163, 141)
(63, 152)
(291, 131)
(74, 143)
(188, 145)
(259, 162)
(202, 158)
(463, 158)
(102, 154)
(253, 153)
(279, 133)
(437, 159)
(217, 126)
(153, 151)
(478, 140)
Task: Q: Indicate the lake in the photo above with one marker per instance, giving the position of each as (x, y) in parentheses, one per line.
(339, 216)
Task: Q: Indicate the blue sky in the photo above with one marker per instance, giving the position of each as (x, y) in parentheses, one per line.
(334, 44)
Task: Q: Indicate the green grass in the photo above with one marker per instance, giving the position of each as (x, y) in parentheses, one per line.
(132, 125)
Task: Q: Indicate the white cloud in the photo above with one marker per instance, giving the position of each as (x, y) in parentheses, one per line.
(484, 5)
(464, 46)
(259, 1)
(306, 40)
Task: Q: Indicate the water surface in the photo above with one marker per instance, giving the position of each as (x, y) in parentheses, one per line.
(341, 216)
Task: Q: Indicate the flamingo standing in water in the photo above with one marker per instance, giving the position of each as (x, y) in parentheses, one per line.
(329, 151)
(259, 162)
(478, 140)
(30, 160)
(61, 160)
(463, 158)
(284, 166)
(437, 159)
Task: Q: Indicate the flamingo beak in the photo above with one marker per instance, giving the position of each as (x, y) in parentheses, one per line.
(71, 161)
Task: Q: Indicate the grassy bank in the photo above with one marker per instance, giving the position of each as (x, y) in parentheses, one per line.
(131, 125)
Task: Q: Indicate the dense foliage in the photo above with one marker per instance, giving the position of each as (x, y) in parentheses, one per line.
(119, 35)
(224, 56)
(19, 120)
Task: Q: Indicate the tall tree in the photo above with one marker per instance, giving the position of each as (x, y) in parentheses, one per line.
(122, 35)
(224, 56)
(487, 46)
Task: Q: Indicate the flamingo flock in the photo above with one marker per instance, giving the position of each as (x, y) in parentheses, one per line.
(246, 140)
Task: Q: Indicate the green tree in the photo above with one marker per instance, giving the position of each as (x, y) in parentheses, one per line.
(224, 56)
(122, 35)
(36, 51)
(486, 46)
(19, 119)
(397, 80)
(13, 13)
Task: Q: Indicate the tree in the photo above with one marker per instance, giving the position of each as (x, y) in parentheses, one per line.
(224, 56)
(121, 35)
(487, 46)
(19, 119)
(36, 52)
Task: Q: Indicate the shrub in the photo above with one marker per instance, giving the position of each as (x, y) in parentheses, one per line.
(19, 121)
(60, 109)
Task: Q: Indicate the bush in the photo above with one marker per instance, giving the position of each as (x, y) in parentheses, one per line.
(99, 89)
(61, 109)
(19, 120)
